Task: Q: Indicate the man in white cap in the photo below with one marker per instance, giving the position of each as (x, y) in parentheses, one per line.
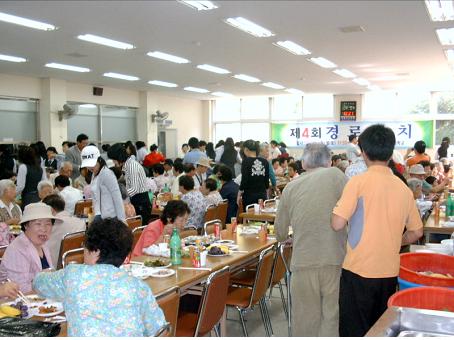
(200, 176)
(417, 171)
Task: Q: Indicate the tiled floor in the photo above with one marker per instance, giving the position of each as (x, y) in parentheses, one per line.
(254, 322)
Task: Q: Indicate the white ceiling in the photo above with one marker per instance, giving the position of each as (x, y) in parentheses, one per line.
(399, 38)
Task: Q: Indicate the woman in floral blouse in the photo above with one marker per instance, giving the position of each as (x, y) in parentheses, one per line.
(99, 298)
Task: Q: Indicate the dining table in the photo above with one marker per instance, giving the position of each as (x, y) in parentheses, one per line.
(437, 227)
(267, 214)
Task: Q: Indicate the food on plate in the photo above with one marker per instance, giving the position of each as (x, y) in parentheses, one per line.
(47, 309)
(163, 272)
(35, 299)
(438, 275)
(11, 310)
(155, 263)
(218, 250)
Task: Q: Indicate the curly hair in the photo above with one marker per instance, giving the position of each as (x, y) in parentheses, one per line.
(174, 209)
(112, 238)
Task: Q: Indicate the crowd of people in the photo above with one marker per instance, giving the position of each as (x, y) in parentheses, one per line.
(344, 278)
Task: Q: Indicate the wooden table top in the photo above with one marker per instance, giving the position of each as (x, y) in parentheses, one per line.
(260, 216)
(432, 227)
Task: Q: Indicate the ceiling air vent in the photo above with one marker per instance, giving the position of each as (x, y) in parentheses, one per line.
(76, 55)
(352, 29)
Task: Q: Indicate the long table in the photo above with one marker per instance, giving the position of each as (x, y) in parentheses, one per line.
(430, 227)
(262, 216)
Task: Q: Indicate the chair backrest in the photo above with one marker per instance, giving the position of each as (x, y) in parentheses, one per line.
(222, 212)
(250, 206)
(169, 301)
(164, 330)
(79, 208)
(263, 276)
(282, 259)
(239, 211)
(270, 202)
(136, 233)
(189, 231)
(208, 227)
(69, 242)
(73, 256)
(211, 213)
(2, 251)
(134, 222)
(212, 304)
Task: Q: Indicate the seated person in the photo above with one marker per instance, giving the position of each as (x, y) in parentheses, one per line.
(10, 212)
(160, 179)
(175, 214)
(101, 299)
(195, 201)
(28, 254)
(70, 195)
(278, 171)
(335, 160)
(168, 169)
(178, 171)
(293, 171)
(66, 225)
(418, 171)
(209, 190)
(229, 191)
(415, 186)
(284, 165)
(215, 175)
(9, 290)
(45, 188)
(66, 169)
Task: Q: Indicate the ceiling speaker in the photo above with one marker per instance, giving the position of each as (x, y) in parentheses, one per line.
(97, 91)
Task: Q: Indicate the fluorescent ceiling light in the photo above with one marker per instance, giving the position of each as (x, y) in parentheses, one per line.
(292, 47)
(68, 67)
(162, 83)
(361, 81)
(446, 36)
(168, 57)
(87, 106)
(214, 69)
(221, 94)
(440, 10)
(12, 58)
(120, 76)
(199, 5)
(195, 89)
(450, 55)
(247, 78)
(344, 73)
(374, 88)
(273, 86)
(105, 41)
(294, 91)
(249, 27)
(322, 62)
(12, 19)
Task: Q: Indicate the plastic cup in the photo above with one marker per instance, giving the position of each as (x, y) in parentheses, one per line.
(203, 258)
(256, 208)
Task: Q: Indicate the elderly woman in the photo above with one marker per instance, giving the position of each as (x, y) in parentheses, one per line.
(210, 192)
(175, 215)
(194, 199)
(45, 188)
(101, 299)
(10, 212)
(28, 254)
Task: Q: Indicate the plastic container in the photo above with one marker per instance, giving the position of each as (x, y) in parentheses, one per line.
(434, 298)
(406, 285)
(412, 263)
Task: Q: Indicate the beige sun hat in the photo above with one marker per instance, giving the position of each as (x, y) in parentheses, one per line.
(417, 169)
(36, 211)
(204, 162)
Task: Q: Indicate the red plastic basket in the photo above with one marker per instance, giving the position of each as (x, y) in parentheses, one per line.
(435, 298)
(411, 263)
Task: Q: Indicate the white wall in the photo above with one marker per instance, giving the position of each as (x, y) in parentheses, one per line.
(111, 96)
(17, 86)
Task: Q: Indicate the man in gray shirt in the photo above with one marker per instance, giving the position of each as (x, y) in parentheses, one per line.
(73, 154)
(318, 251)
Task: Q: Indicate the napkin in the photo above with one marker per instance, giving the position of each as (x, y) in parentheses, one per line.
(154, 250)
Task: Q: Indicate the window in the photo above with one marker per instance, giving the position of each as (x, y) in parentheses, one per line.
(319, 105)
(255, 108)
(287, 108)
(413, 102)
(224, 130)
(255, 131)
(444, 128)
(118, 124)
(85, 121)
(226, 110)
(445, 102)
(379, 104)
(18, 117)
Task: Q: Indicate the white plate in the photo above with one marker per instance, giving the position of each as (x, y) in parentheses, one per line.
(225, 242)
(170, 272)
(218, 255)
(59, 310)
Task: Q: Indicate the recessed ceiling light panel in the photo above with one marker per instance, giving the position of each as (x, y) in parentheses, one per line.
(249, 27)
(446, 36)
(168, 57)
(440, 10)
(195, 89)
(221, 94)
(212, 68)
(67, 67)
(105, 41)
(162, 83)
(344, 73)
(12, 58)
(361, 81)
(273, 86)
(322, 62)
(120, 76)
(247, 78)
(292, 47)
(12, 19)
(199, 5)
(294, 91)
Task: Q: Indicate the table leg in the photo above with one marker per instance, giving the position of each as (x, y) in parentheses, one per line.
(223, 323)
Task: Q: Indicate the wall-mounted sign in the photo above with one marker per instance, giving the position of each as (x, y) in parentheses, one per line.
(348, 111)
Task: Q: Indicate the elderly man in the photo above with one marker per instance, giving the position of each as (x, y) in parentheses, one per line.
(378, 206)
(73, 154)
(45, 188)
(66, 169)
(418, 171)
(318, 251)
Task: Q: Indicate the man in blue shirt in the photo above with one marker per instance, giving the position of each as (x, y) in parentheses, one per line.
(194, 154)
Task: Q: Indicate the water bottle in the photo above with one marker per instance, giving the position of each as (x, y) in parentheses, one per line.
(449, 207)
(175, 248)
(166, 188)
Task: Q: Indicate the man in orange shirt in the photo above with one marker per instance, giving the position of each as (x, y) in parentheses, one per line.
(420, 153)
(377, 205)
(154, 157)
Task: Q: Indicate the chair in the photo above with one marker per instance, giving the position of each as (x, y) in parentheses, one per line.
(288, 274)
(134, 222)
(222, 211)
(169, 301)
(211, 308)
(245, 298)
(79, 208)
(269, 203)
(211, 213)
(279, 272)
(163, 331)
(136, 233)
(73, 256)
(69, 242)
(208, 227)
(189, 231)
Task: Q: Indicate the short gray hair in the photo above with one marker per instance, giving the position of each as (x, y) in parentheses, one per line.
(5, 184)
(67, 163)
(316, 155)
(43, 184)
(343, 165)
(414, 183)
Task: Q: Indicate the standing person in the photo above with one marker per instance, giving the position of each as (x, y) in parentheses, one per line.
(229, 191)
(352, 149)
(141, 151)
(378, 206)
(203, 146)
(274, 151)
(315, 269)
(255, 175)
(136, 183)
(73, 154)
(30, 173)
(51, 161)
(420, 154)
(264, 153)
(107, 201)
(154, 157)
(194, 154)
(211, 154)
(7, 163)
(228, 155)
(184, 149)
(442, 151)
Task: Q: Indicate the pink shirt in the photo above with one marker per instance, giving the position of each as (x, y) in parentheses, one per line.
(149, 236)
(21, 262)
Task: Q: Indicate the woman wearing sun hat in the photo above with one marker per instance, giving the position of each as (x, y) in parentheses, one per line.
(28, 254)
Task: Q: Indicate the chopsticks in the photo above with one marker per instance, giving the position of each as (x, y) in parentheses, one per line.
(21, 296)
(194, 268)
(239, 251)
